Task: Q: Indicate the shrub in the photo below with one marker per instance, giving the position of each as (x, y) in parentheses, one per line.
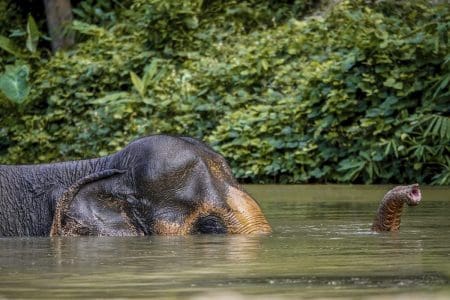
(357, 93)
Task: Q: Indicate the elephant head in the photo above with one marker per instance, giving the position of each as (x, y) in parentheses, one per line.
(159, 185)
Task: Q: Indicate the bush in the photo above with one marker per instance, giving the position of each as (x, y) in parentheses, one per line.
(354, 94)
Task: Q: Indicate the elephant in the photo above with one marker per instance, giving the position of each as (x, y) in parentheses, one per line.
(156, 185)
(389, 212)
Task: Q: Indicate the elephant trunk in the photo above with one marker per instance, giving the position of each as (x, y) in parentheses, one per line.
(389, 213)
(247, 215)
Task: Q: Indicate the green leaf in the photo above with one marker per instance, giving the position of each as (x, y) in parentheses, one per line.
(350, 168)
(9, 46)
(14, 83)
(438, 126)
(349, 62)
(112, 98)
(442, 84)
(445, 128)
(137, 83)
(390, 82)
(398, 85)
(32, 34)
(191, 22)
(150, 73)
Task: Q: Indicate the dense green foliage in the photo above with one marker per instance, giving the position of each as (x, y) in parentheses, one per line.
(287, 91)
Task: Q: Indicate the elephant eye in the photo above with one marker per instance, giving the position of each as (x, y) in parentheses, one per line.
(209, 224)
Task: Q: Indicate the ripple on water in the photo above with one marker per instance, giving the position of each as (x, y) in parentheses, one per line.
(321, 248)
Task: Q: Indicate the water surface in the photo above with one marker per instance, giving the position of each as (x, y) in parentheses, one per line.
(321, 248)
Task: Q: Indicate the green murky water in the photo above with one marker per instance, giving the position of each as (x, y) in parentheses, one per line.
(321, 248)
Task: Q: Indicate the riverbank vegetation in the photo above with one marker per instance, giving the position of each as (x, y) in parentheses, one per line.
(288, 91)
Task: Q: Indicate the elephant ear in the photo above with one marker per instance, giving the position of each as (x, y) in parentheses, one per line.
(93, 206)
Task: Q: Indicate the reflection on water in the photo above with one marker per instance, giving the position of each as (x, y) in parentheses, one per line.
(321, 248)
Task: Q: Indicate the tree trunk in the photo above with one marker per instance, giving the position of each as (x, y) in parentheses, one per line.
(59, 15)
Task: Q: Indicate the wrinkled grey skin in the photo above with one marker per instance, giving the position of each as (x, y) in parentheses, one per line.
(156, 185)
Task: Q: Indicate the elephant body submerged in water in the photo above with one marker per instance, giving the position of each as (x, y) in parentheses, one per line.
(156, 185)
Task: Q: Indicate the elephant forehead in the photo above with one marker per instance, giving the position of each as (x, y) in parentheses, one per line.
(219, 169)
(190, 185)
(164, 168)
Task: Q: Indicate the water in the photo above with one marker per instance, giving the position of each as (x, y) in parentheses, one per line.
(321, 248)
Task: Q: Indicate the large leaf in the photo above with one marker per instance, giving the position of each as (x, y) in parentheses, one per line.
(9, 46)
(32, 34)
(439, 126)
(150, 72)
(138, 83)
(14, 83)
